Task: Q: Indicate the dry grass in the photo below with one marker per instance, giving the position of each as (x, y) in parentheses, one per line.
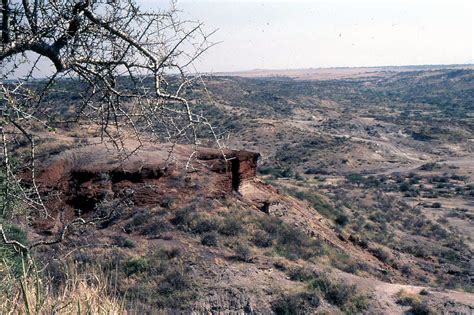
(407, 298)
(80, 294)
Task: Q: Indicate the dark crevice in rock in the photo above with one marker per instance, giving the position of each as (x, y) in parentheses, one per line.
(265, 207)
(83, 203)
(80, 177)
(235, 166)
(87, 189)
(135, 177)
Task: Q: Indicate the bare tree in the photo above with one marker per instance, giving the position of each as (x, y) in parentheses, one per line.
(131, 70)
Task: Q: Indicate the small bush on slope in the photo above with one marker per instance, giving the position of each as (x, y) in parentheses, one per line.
(291, 242)
(210, 239)
(301, 303)
(418, 307)
(342, 295)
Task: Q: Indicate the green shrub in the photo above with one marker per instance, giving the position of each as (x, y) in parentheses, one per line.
(204, 225)
(276, 172)
(406, 298)
(244, 253)
(341, 295)
(124, 242)
(344, 296)
(138, 220)
(160, 280)
(344, 262)
(381, 254)
(355, 179)
(301, 274)
(422, 309)
(167, 202)
(168, 253)
(271, 225)
(262, 239)
(406, 270)
(156, 227)
(8, 254)
(136, 265)
(293, 244)
(317, 202)
(342, 219)
(418, 307)
(289, 241)
(429, 166)
(129, 243)
(302, 303)
(231, 226)
(173, 281)
(298, 176)
(184, 217)
(404, 187)
(147, 223)
(210, 239)
(424, 292)
(266, 170)
(316, 170)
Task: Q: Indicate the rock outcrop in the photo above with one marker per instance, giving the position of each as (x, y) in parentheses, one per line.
(76, 180)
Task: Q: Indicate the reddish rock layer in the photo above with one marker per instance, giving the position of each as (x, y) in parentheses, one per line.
(77, 180)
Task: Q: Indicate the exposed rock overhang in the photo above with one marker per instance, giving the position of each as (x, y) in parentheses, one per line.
(241, 164)
(81, 178)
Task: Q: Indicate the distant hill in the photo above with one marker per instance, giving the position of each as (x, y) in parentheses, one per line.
(338, 72)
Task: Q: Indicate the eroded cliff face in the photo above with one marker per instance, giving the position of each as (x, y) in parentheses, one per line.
(77, 180)
(238, 165)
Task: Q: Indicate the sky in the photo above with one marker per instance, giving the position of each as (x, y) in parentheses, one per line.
(298, 34)
(277, 34)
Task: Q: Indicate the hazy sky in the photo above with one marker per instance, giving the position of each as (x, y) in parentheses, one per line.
(284, 34)
(276, 34)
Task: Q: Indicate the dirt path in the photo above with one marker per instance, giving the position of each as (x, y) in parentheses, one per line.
(385, 296)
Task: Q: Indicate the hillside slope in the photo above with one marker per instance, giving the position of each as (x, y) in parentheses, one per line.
(215, 239)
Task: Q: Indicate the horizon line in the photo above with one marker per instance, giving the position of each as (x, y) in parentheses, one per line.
(469, 64)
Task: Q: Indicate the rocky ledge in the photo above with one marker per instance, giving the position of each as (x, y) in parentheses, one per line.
(75, 181)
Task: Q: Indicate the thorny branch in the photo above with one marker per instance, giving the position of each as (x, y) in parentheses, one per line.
(77, 222)
(127, 71)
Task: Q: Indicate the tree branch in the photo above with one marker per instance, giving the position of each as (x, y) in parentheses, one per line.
(5, 22)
